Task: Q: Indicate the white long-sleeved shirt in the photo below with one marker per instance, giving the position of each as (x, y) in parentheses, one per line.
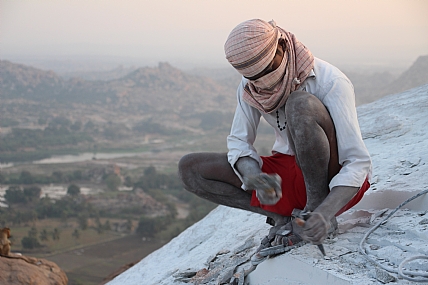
(336, 92)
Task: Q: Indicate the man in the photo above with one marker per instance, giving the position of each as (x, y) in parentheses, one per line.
(319, 162)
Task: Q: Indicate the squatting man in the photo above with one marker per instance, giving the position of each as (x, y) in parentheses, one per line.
(319, 163)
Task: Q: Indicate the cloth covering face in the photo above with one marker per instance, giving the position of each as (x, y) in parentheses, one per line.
(250, 48)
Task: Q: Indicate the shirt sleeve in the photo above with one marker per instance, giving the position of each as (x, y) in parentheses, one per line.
(353, 154)
(243, 132)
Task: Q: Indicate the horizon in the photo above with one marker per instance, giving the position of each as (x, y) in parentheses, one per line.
(382, 34)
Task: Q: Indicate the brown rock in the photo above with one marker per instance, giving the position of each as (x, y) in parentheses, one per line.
(16, 269)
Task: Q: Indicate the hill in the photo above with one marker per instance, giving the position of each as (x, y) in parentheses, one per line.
(159, 103)
(152, 89)
(394, 131)
(150, 103)
(416, 75)
(370, 86)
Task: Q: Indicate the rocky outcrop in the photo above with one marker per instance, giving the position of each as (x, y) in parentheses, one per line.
(16, 269)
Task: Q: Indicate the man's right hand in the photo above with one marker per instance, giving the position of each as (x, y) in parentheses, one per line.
(267, 187)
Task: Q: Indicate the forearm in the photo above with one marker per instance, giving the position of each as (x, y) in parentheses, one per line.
(338, 197)
(248, 166)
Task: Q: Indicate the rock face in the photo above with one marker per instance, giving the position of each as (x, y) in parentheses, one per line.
(17, 269)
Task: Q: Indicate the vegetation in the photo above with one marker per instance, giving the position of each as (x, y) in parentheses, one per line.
(14, 194)
(57, 135)
(73, 190)
(57, 176)
(159, 186)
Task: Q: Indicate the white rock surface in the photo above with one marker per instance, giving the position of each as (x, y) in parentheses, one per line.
(395, 130)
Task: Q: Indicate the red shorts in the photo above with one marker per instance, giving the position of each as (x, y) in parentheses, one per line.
(293, 186)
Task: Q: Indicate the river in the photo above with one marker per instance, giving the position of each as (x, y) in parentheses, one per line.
(69, 158)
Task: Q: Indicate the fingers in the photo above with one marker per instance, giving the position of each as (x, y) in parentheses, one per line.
(267, 186)
(315, 229)
(266, 197)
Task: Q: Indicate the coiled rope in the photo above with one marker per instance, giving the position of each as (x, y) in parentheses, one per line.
(401, 272)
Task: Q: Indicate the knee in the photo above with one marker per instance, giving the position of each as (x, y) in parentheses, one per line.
(185, 167)
(299, 101)
(189, 167)
(301, 104)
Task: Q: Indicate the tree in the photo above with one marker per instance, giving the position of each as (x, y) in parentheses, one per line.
(77, 175)
(26, 177)
(33, 232)
(14, 195)
(146, 227)
(30, 242)
(149, 171)
(76, 126)
(129, 225)
(73, 190)
(44, 235)
(76, 234)
(32, 193)
(128, 181)
(57, 176)
(82, 219)
(55, 234)
(100, 228)
(107, 225)
(113, 182)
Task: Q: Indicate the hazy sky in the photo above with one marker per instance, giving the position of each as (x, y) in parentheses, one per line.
(192, 32)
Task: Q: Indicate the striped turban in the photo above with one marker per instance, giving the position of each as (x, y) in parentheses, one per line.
(250, 48)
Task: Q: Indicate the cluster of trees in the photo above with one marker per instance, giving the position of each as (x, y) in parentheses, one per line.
(17, 195)
(167, 227)
(14, 194)
(41, 139)
(151, 179)
(31, 241)
(26, 178)
(160, 186)
(54, 132)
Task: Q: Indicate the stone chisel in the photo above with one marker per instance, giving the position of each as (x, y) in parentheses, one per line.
(300, 220)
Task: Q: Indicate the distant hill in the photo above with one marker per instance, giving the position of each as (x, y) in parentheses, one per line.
(416, 75)
(370, 86)
(164, 94)
(21, 81)
(118, 72)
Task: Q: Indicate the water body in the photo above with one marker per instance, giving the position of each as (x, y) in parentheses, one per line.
(69, 158)
(82, 157)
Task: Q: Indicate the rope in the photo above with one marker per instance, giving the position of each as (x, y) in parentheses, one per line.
(401, 272)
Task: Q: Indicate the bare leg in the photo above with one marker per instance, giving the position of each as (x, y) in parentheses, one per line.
(210, 176)
(312, 135)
